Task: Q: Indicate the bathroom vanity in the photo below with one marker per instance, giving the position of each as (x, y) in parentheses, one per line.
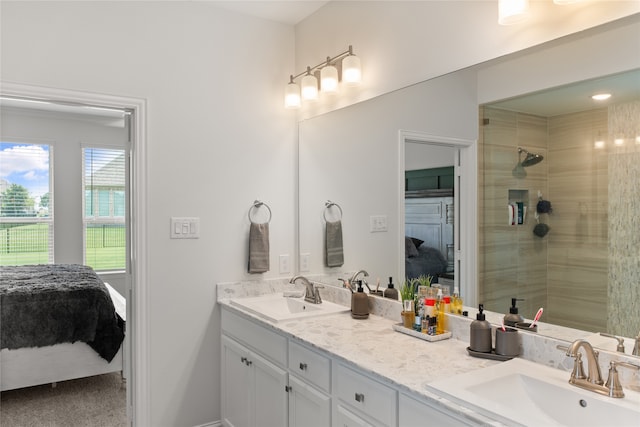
(328, 369)
(334, 370)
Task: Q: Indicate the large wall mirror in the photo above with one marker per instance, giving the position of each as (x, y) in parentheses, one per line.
(584, 271)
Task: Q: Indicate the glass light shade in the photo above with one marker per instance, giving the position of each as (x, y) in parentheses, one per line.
(351, 71)
(292, 96)
(329, 79)
(562, 2)
(309, 87)
(512, 11)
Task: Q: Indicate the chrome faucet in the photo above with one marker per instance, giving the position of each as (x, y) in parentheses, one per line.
(356, 274)
(311, 294)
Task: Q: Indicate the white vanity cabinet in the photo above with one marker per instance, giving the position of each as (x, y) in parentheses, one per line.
(309, 387)
(416, 413)
(253, 385)
(276, 380)
(362, 400)
(308, 407)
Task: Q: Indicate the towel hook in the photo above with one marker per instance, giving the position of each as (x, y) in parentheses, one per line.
(257, 204)
(328, 205)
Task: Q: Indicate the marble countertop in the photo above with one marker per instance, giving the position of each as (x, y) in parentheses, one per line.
(372, 345)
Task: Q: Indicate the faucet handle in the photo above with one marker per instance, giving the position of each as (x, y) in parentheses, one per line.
(613, 382)
(620, 347)
(578, 368)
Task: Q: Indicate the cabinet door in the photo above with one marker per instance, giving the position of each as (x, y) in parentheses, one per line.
(414, 413)
(308, 407)
(236, 384)
(269, 391)
(346, 418)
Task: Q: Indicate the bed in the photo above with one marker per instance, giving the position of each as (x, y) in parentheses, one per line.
(428, 234)
(58, 322)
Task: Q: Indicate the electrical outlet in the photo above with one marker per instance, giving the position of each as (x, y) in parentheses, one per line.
(304, 261)
(284, 264)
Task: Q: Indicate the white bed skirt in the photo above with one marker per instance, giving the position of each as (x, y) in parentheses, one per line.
(26, 367)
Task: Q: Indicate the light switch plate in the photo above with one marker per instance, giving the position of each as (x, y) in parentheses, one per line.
(377, 223)
(185, 227)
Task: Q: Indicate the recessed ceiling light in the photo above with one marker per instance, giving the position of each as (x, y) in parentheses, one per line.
(601, 96)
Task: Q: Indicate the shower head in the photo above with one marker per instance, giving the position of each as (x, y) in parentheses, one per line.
(531, 158)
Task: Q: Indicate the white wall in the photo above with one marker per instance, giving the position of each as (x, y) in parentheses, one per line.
(402, 43)
(218, 138)
(351, 157)
(421, 156)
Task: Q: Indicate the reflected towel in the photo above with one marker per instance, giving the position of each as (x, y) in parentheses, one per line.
(259, 248)
(333, 244)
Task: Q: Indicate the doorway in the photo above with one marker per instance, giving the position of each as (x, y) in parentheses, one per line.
(135, 279)
(464, 154)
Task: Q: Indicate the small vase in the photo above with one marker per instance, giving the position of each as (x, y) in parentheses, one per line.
(408, 318)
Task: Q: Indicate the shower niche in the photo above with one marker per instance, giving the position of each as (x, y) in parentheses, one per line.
(517, 206)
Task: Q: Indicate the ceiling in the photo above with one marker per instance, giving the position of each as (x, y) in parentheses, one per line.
(285, 11)
(623, 87)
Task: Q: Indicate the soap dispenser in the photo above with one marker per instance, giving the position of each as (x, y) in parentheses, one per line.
(391, 292)
(513, 317)
(359, 303)
(480, 334)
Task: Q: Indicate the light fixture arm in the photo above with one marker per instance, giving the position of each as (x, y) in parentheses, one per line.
(323, 64)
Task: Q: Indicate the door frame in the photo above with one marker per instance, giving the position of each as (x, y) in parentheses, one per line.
(466, 219)
(138, 405)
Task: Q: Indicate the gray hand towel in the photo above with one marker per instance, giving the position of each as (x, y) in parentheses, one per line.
(259, 248)
(333, 244)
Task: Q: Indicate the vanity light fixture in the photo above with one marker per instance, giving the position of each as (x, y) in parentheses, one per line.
(512, 11)
(601, 96)
(563, 2)
(329, 78)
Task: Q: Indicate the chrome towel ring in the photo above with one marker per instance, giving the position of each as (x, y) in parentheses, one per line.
(327, 206)
(257, 204)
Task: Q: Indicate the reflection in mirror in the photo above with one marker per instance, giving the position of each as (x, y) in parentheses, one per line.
(584, 271)
(429, 212)
(350, 156)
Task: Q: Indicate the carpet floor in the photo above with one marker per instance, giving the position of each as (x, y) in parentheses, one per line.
(98, 401)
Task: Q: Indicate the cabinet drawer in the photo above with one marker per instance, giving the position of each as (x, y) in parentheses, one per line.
(266, 342)
(365, 394)
(309, 365)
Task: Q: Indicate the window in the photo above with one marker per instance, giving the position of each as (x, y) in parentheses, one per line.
(26, 203)
(104, 183)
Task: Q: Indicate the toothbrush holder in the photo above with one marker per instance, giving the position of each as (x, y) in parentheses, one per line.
(507, 342)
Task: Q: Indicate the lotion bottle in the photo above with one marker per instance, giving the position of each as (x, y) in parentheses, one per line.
(480, 333)
(391, 292)
(513, 317)
(359, 303)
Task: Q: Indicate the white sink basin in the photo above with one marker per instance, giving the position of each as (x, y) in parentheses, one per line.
(276, 308)
(519, 392)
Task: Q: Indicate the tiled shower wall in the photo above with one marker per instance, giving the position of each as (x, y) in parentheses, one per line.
(623, 314)
(512, 260)
(566, 272)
